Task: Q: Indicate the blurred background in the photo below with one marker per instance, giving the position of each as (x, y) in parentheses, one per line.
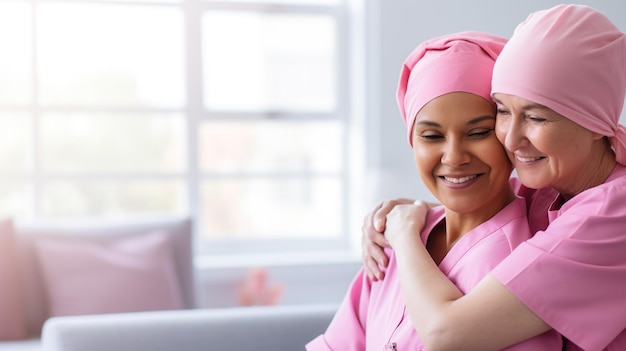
(272, 124)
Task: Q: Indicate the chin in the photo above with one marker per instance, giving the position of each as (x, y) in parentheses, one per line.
(532, 182)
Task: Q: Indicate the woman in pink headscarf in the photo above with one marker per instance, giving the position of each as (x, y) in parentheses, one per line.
(559, 85)
(444, 98)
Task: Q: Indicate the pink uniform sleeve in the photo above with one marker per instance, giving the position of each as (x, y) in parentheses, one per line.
(573, 274)
(346, 331)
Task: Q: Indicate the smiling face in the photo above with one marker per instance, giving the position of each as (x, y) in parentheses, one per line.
(458, 155)
(547, 149)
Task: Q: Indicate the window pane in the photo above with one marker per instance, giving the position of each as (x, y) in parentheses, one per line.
(15, 199)
(16, 58)
(271, 208)
(135, 1)
(271, 146)
(112, 143)
(113, 199)
(269, 62)
(102, 54)
(15, 139)
(295, 2)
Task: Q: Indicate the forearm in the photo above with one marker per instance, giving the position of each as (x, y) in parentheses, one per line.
(427, 292)
(487, 318)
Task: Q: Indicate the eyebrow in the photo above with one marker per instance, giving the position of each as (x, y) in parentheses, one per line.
(528, 106)
(470, 122)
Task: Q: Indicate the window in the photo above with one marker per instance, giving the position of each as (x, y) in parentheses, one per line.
(233, 112)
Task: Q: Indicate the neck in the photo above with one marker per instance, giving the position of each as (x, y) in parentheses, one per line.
(458, 224)
(597, 170)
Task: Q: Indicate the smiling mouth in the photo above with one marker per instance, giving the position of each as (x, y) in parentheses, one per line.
(528, 159)
(459, 180)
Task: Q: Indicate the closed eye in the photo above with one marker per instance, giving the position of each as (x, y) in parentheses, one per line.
(502, 111)
(481, 133)
(431, 137)
(535, 119)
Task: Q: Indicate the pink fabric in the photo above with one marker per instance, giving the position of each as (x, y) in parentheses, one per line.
(580, 259)
(373, 313)
(460, 62)
(537, 202)
(12, 319)
(571, 59)
(121, 275)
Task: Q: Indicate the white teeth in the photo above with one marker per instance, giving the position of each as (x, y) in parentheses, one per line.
(459, 180)
(527, 159)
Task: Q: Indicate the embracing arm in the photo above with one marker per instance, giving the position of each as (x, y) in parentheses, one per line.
(487, 318)
(373, 239)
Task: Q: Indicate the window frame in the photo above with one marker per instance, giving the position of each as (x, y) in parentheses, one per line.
(195, 114)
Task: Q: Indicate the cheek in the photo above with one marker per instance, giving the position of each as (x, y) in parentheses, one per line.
(577, 142)
(502, 164)
(501, 132)
(548, 140)
(498, 158)
(425, 160)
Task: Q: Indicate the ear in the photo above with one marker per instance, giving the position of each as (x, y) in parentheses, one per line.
(597, 136)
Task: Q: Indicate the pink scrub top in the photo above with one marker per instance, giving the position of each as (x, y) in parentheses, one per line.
(373, 314)
(573, 273)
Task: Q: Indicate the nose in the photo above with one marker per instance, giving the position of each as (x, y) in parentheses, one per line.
(510, 132)
(455, 153)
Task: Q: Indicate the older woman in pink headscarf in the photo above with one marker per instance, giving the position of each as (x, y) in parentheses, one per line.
(444, 99)
(559, 85)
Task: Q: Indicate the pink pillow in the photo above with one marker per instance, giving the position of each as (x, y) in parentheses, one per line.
(12, 319)
(123, 274)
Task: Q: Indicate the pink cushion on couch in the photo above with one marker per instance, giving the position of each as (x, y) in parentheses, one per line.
(12, 319)
(126, 274)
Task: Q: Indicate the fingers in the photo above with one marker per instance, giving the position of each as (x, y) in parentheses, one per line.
(372, 270)
(370, 235)
(379, 239)
(379, 216)
(374, 258)
(373, 240)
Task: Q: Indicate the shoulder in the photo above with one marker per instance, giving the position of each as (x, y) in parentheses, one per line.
(512, 222)
(606, 199)
(511, 219)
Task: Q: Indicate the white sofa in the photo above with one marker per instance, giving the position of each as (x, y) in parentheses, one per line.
(31, 283)
(287, 327)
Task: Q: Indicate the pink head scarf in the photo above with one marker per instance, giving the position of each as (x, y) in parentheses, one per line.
(460, 62)
(571, 59)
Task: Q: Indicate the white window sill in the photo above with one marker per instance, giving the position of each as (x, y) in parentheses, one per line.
(307, 278)
(206, 262)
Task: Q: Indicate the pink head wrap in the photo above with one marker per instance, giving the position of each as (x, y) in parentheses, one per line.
(571, 59)
(460, 62)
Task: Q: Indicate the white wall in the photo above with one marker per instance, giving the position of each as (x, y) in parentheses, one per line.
(397, 26)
